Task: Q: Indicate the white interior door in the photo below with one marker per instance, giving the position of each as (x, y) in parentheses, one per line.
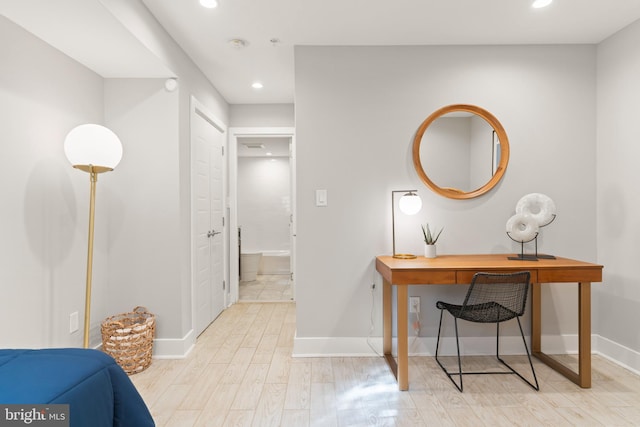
(207, 143)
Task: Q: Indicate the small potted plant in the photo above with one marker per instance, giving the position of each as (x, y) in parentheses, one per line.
(430, 240)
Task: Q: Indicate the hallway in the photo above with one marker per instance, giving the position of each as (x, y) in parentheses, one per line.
(267, 288)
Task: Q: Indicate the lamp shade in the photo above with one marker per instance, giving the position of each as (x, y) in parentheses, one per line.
(410, 203)
(92, 144)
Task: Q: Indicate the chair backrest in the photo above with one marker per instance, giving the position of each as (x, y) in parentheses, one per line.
(509, 290)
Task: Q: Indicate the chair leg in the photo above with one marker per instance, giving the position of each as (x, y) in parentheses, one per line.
(459, 387)
(498, 340)
(535, 378)
(439, 329)
(459, 360)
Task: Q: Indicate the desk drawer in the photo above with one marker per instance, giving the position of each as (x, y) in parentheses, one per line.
(436, 277)
(571, 275)
(465, 276)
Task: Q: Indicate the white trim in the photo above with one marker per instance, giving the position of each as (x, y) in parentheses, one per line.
(476, 346)
(335, 347)
(617, 353)
(198, 108)
(164, 348)
(420, 346)
(232, 160)
(423, 346)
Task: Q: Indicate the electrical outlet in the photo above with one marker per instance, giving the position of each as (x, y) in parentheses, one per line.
(73, 322)
(414, 304)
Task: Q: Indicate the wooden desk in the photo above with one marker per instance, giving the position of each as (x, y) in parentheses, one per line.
(459, 269)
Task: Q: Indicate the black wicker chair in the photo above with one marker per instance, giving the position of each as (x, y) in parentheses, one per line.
(492, 298)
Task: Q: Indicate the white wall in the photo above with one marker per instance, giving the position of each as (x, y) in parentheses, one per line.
(261, 115)
(44, 94)
(617, 303)
(264, 203)
(145, 212)
(357, 110)
(137, 19)
(45, 206)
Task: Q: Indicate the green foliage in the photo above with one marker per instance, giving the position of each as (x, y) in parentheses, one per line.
(429, 237)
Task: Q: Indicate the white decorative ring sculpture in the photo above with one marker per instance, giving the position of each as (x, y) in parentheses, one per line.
(539, 206)
(522, 227)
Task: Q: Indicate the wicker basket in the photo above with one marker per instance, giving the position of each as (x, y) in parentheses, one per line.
(128, 338)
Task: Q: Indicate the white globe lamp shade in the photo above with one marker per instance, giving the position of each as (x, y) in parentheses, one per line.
(92, 144)
(410, 204)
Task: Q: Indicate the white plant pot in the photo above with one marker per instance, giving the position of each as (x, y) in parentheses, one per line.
(430, 251)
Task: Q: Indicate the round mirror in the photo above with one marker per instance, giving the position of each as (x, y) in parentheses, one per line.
(461, 151)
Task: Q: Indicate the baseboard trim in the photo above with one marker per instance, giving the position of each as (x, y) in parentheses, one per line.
(336, 347)
(426, 346)
(617, 353)
(180, 348)
(477, 346)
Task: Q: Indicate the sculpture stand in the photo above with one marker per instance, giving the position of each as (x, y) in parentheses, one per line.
(522, 256)
(542, 256)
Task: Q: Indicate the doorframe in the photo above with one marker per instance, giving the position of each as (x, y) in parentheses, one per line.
(198, 108)
(255, 132)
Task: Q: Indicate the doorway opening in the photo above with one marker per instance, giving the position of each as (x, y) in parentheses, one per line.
(262, 221)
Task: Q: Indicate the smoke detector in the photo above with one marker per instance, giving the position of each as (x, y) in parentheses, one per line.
(238, 43)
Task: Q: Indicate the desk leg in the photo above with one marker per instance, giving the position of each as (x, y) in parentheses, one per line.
(583, 376)
(536, 318)
(399, 369)
(403, 339)
(387, 334)
(584, 334)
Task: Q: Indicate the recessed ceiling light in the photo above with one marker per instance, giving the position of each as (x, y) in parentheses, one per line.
(269, 154)
(537, 4)
(209, 4)
(257, 85)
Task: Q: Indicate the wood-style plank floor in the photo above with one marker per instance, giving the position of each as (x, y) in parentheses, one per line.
(241, 373)
(267, 288)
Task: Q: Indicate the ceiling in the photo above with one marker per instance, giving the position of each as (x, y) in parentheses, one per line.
(263, 146)
(89, 33)
(205, 33)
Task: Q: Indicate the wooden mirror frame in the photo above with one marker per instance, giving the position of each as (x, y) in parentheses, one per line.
(454, 193)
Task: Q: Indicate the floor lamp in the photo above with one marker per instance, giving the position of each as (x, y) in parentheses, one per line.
(93, 149)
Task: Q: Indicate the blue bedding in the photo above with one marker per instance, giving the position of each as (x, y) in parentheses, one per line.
(99, 393)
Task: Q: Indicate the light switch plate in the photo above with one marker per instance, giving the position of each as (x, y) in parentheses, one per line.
(321, 198)
(73, 322)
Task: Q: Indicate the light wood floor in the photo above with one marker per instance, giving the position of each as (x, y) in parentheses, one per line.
(267, 288)
(241, 373)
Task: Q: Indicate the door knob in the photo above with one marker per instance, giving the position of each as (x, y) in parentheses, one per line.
(212, 233)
